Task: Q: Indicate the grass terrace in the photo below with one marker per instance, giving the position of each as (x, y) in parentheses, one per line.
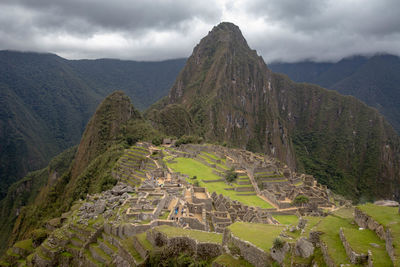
(287, 219)
(261, 235)
(143, 240)
(200, 236)
(360, 241)
(192, 167)
(389, 218)
(330, 226)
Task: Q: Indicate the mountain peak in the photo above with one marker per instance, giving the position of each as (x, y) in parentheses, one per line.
(227, 28)
(225, 32)
(220, 58)
(104, 127)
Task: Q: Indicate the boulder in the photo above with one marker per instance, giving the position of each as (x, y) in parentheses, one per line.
(302, 223)
(304, 248)
(99, 207)
(387, 203)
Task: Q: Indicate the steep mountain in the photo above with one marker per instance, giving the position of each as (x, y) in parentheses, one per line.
(374, 80)
(46, 101)
(225, 90)
(52, 190)
(227, 94)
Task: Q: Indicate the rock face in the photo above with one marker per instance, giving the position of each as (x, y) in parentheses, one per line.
(226, 93)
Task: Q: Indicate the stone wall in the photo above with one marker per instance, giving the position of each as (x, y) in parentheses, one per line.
(202, 250)
(121, 250)
(244, 189)
(130, 229)
(354, 257)
(193, 223)
(139, 248)
(250, 252)
(365, 221)
(272, 198)
(327, 258)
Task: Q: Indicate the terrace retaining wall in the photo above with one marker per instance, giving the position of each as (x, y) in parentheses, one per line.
(365, 221)
(250, 252)
(354, 257)
(202, 250)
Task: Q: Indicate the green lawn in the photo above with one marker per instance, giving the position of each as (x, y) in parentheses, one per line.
(192, 167)
(261, 235)
(330, 226)
(287, 219)
(228, 260)
(201, 236)
(360, 241)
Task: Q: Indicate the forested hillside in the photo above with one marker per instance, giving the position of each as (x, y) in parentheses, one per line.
(46, 101)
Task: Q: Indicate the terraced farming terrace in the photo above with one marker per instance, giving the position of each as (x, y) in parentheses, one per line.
(215, 206)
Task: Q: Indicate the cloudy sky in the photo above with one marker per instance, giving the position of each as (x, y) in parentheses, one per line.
(285, 30)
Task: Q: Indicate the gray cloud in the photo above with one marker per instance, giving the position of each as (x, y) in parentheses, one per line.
(326, 29)
(283, 30)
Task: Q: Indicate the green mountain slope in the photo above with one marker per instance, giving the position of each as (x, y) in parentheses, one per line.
(374, 80)
(46, 101)
(340, 140)
(231, 96)
(49, 194)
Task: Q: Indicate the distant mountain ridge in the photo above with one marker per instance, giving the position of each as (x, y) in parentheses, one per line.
(374, 80)
(46, 101)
